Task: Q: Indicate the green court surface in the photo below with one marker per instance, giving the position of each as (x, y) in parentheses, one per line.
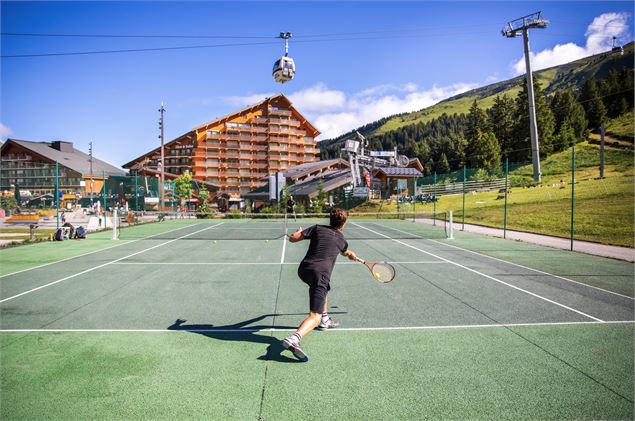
(182, 320)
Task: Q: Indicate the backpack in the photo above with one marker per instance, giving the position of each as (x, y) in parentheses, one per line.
(59, 235)
(80, 232)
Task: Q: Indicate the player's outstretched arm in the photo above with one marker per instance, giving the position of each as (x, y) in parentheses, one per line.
(351, 255)
(296, 236)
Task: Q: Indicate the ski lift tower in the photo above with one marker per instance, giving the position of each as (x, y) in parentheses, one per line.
(359, 157)
(512, 30)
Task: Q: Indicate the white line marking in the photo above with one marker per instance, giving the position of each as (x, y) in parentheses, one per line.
(350, 329)
(104, 264)
(123, 242)
(519, 265)
(262, 263)
(535, 270)
(284, 247)
(486, 276)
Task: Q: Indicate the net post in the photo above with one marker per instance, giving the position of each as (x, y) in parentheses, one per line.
(114, 223)
(450, 227)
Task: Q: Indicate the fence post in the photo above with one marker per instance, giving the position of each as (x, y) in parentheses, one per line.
(136, 193)
(434, 201)
(572, 191)
(414, 201)
(103, 177)
(506, 188)
(463, 212)
(57, 194)
(450, 227)
(601, 151)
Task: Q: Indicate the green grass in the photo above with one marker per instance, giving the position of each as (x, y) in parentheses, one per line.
(623, 125)
(40, 233)
(458, 105)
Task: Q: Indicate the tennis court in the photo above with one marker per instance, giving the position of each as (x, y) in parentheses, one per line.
(182, 320)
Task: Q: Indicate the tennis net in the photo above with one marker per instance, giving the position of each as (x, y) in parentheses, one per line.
(272, 226)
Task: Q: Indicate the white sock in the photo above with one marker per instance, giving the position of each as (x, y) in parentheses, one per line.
(325, 317)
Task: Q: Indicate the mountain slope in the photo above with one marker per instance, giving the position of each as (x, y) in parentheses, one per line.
(569, 75)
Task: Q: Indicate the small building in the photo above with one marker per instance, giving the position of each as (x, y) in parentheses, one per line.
(395, 181)
(28, 165)
(305, 181)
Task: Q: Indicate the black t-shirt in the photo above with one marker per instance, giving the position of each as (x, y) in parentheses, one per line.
(326, 243)
(290, 205)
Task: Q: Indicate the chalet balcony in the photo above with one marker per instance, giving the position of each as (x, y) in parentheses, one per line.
(273, 112)
(285, 122)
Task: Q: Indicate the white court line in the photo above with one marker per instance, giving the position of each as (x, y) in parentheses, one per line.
(263, 263)
(485, 275)
(284, 247)
(521, 266)
(535, 270)
(350, 329)
(123, 242)
(105, 264)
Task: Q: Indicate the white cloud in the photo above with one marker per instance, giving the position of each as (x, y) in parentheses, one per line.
(5, 131)
(318, 98)
(599, 35)
(334, 112)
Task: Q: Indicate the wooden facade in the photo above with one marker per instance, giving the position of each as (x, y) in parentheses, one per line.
(237, 151)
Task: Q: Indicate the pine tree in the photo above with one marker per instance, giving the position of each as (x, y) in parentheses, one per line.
(609, 89)
(592, 103)
(483, 150)
(567, 112)
(521, 146)
(501, 118)
(443, 167)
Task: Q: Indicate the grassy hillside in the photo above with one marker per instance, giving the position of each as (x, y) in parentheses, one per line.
(552, 79)
(567, 75)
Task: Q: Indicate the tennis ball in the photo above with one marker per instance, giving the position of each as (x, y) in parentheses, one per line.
(266, 241)
(215, 241)
(377, 275)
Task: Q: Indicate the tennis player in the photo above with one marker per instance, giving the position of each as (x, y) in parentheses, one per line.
(327, 241)
(291, 207)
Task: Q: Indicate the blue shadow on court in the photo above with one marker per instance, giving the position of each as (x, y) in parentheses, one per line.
(242, 332)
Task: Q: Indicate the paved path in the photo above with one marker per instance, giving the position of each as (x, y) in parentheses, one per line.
(616, 252)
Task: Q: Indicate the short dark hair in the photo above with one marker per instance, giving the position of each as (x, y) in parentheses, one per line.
(338, 217)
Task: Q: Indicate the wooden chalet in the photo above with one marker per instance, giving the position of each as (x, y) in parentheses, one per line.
(237, 151)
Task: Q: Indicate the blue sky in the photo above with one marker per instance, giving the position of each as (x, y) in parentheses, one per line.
(419, 53)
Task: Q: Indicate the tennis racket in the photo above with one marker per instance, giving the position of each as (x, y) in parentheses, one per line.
(381, 271)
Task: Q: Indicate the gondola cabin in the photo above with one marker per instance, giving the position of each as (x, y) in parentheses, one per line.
(283, 70)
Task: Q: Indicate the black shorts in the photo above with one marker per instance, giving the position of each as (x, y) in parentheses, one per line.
(319, 286)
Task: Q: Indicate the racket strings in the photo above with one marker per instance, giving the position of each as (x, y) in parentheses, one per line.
(383, 272)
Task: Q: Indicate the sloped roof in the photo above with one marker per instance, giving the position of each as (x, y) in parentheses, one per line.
(75, 160)
(400, 171)
(308, 188)
(330, 181)
(309, 167)
(316, 132)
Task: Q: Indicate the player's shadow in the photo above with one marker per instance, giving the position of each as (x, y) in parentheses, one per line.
(243, 332)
